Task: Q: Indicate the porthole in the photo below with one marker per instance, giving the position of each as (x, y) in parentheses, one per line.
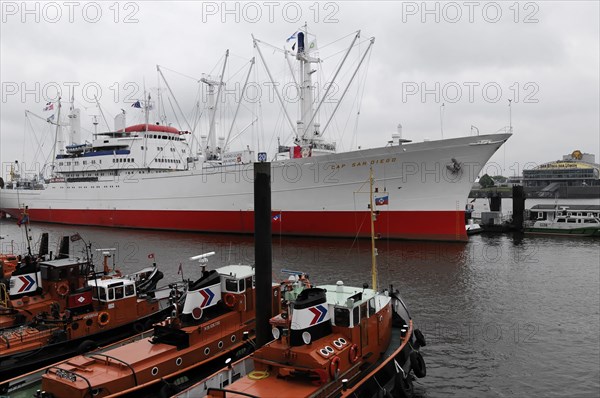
(154, 371)
(233, 338)
(206, 351)
(220, 345)
(178, 361)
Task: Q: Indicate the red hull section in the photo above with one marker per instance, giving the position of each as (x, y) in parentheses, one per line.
(417, 225)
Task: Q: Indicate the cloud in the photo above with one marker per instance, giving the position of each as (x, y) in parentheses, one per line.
(548, 68)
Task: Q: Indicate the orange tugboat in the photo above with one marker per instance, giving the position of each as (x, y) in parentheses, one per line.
(216, 320)
(329, 341)
(105, 308)
(26, 291)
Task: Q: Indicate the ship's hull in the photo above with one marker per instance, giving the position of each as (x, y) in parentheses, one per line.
(583, 231)
(426, 185)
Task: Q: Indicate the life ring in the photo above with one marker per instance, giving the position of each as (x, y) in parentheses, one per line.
(103, 318)
(230, 299)
(353, 353)
(334, 367)
(62, 289)
(417, 364)
(258, 374)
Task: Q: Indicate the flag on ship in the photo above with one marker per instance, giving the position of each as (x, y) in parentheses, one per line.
(277, 217)
(292, 37)
(382, 200)
(24, 219)
(151, 256)
(49, 106)
(75, 237)
(50, 118)
(136, 104)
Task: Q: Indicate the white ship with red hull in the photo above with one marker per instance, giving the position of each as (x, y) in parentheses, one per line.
(148, 176)
(315, 196)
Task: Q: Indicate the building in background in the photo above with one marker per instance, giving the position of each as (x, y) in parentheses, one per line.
(576, 175)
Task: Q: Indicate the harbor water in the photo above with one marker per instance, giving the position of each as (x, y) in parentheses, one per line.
(504, 315)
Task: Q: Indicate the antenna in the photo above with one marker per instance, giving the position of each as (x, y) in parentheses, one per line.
(95, 123)
(510, 115)
(202, 258)
(442, 107)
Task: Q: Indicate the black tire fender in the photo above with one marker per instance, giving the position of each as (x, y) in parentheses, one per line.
(420, 338)
(418, 364)
(86, 345)
(403, 386)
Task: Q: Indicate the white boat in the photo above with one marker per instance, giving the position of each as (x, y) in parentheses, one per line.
(148, 176)
(473, 228)
(562, 220)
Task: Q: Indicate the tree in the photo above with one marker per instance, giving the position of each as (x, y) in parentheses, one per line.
(486, 181)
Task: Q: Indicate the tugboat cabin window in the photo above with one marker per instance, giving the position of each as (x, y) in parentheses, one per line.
(114, 291)
(341, 317)
(356, 316)
(99, 294)
(372, 306)
(234, 285)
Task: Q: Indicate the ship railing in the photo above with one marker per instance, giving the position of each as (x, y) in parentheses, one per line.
(222, 393)
(220, 380)
(3, 295)
(106, 358)
(69, 375)
(24, 337)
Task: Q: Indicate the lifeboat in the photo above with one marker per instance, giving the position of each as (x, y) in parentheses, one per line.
(215, 319)
(138, 128)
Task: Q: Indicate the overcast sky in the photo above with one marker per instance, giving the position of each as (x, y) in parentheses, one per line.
(472, 57)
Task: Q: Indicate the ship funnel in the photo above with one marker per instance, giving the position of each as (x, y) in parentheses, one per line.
(300, 42)
(310, 313)
(120, 122)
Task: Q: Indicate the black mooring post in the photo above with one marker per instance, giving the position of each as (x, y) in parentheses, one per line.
(262, 250)
(518, 197)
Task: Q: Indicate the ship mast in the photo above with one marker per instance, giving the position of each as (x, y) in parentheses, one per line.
(308, 132)
(306, 88)
(373, 248)
(212, 106)
(56, 138)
